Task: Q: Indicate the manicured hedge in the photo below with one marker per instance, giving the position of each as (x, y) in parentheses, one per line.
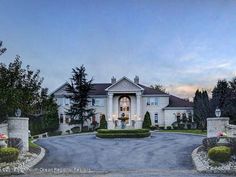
(130, 133)
(123, 131)
(9, 154)
(219, 153)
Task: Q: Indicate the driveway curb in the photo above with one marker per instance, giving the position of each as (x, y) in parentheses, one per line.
(35, 161)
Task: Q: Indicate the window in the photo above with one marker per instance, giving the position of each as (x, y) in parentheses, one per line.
(178, 117)
(99, 102)
(60, 101)
(67, 120)
(67, 101)
(61, 118)
(156, 118)
(152, 101)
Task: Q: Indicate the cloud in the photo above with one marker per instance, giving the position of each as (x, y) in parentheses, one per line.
(185, 91)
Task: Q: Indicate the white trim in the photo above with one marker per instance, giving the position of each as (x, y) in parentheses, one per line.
(156, 95)
(58, 88)
(121, 80)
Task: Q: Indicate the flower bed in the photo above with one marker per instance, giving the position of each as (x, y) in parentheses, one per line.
(126, 133)
(204, 164)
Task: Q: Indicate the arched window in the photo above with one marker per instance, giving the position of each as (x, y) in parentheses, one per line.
(124, 104)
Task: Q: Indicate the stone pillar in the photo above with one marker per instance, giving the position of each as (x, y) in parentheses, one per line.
(4, 129)
(215, 125)
(138, 102)
(110, 111)
(18, 127)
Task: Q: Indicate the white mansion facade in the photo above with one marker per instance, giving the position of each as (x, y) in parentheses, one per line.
(129, 98)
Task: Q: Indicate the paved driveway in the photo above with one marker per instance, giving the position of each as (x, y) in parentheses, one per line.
(162, 155)
(161, 151)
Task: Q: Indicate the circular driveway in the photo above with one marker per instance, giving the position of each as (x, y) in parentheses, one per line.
(163, 151)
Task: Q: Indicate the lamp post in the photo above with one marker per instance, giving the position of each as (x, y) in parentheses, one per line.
(218, 112)
(18, 113)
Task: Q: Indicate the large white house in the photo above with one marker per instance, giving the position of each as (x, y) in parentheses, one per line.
(129, 98)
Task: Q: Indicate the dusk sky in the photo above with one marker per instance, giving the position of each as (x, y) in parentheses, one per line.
(183, 45)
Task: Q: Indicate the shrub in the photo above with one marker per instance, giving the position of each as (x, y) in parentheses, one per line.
(181, 126)
(103, 122)
(161, 128)
(132, 133)
(175, 125)
(233, 145)
(9, 154)
(189, 126)
(123, 131)
(209, 143)
(168, 128)
(68, 131)
(55, 133)
(219, 154)
(75, 130)
(153, 128)
(15, 143)
(147, 121)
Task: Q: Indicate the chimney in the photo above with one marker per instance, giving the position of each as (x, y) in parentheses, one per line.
(113, 80)
(136, 80)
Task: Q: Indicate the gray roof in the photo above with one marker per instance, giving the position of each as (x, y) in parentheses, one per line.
(99, 89)
(178, 102)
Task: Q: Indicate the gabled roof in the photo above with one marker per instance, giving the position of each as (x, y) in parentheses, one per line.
(178, 102)
(124, 78)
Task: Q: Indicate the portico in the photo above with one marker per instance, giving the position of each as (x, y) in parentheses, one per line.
(124, 97)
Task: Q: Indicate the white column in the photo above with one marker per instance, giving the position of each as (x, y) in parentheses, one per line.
(138, 121)
(110, 111)
(138, 102)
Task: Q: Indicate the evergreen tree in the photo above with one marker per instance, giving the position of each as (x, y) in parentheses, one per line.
(221, 97)
(201, 108)
(147, 121)
(78, 90)
(103, 122)
(2, 49)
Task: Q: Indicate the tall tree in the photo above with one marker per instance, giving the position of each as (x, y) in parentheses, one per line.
(78, 90)
(19, 88)
(159, 87)
(2, 49)
(221, 97)
(201, 108)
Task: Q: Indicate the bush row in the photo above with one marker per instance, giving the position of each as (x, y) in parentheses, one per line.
(106, 131)
(123, 135)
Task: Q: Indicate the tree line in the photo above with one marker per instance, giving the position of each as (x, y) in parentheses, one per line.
(22, 88)
(223, 97)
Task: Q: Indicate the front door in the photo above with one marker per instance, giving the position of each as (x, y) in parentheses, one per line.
(124, 108)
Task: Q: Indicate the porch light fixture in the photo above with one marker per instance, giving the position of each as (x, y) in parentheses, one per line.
(218, 112)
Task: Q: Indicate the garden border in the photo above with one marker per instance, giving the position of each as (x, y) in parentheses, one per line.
(200, 167)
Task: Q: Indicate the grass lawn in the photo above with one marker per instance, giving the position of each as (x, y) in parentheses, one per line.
(199, 132)
(31, 144)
